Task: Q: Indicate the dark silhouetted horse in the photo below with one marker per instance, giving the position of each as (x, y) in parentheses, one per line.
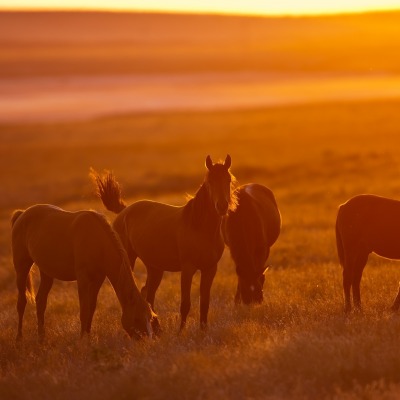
(366, 224)
(249, 231)
(171, 238)
(71, 246)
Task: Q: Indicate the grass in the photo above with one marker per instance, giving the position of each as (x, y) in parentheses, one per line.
(296, 345)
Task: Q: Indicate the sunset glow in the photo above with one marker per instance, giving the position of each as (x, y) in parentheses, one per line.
(260, 7)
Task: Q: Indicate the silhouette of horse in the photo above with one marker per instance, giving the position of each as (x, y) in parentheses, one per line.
(171, 238)
(71, 246)
(366, 224)
(249, 232)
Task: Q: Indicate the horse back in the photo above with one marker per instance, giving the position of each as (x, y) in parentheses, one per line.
(263, 204)
(58, 240)
(370, 223)
(150, 230)
(255, 224)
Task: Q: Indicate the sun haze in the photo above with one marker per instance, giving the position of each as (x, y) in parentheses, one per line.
(259, 7)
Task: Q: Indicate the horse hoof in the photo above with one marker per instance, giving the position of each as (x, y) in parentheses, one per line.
(182, 327)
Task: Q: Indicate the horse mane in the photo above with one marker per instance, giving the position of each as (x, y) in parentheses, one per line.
(139, 303)
(234, 200)
(125, 263)
(192, 211)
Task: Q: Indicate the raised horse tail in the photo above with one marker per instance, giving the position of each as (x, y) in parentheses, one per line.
(15, 215)
(108, 190)
(339, 242)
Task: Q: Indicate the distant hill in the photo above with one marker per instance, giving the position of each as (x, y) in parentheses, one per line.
(63, 43)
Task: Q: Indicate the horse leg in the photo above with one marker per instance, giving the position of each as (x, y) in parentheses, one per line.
(22, 268)
(396, 303)
(238, 298)
(154, 277)
(132, 259)
(358, 269)
(347, 281)
(207, 277)
(88, 290)
(83, 293)
(94, 288)
(46, 282)
(186, 285)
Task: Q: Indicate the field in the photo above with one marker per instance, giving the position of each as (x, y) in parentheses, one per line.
(298, 344)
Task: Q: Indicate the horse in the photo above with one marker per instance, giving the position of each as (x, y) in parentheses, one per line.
(366, 224)
(74, 246)
(175, 238)
(249, 231)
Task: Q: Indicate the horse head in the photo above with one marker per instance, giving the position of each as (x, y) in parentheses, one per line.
(219, 184)
(138, 320)
(251, 287)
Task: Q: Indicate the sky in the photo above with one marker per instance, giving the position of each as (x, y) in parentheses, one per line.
(264, 7)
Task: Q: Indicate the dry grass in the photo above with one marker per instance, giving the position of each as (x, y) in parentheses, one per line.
(298, 344)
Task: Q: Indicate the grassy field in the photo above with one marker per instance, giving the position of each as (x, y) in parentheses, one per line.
(296, 345)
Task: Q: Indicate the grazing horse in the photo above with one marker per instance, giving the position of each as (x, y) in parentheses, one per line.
(249, 232)
(366, 224)
(172, 238)
(71, 246)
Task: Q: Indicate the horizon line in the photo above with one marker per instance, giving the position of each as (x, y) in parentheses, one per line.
(200, 12)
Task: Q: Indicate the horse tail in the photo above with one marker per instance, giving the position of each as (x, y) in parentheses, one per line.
(339, 241)
(15, 215)
(30, 291)
(108, 190)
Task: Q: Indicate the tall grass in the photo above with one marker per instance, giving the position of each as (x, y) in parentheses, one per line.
(298, 344)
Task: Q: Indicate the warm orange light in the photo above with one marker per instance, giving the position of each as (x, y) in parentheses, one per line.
(293, 7)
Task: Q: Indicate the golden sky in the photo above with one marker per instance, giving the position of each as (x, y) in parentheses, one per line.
(219, 6)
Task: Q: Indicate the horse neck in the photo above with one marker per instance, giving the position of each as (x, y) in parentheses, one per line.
(203, 215)
(117, 268)
(245, 229)
(124, 285)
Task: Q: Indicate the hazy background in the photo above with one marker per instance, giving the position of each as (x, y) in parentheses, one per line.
(69, 66)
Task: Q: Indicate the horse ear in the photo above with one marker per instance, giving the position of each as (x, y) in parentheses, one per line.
(228, 161)
(209, 163)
